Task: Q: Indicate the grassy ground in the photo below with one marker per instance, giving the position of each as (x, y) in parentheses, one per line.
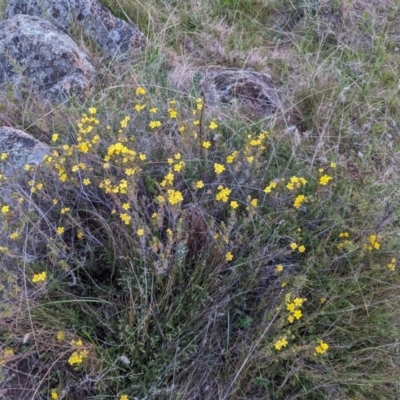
(187, 252)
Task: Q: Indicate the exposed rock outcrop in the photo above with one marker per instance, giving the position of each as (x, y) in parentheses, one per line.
(21, 148)
(34, 51)
(112, 35)
(253, 91)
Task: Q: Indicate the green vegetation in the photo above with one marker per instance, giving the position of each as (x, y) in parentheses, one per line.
(169, 250)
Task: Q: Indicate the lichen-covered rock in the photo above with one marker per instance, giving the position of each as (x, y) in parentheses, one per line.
(21, 148)
(33, 50)
(112, 35)
(253, 91)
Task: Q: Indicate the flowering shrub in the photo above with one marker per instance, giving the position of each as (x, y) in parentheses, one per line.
(160, 242)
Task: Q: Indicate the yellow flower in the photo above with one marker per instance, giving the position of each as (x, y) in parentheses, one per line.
(228, 256)
(65, 210)
(140, 107)
(77, 343)
(126, 206)
(206, 144)
(279, 344)
(125, 121)
(86, 181)
(231, 157)
(299, 200)
(392, 265)
(290, 318)
(92, 110)
(302, 249)
(293, 246)
(54, 137)
(219, 168)
(83, 147)
(154, 124)
(291, 307)
(321, 348)
(39, 277)
(140, 232)
(196, 122)
(174, 196)
(234, 204)
(223, 194)
(4, 156)
(142, 156)
(279, 268)
(332, 164)
(126, 218)
(298, 302)
(199, 185)
(179, 166)
(14, 235)
(153, 110)
(271, 186)
(168, 179)
(63, 177)
(140, 91)
(295, 182)
(130, 171)
(374, 243)
(213, 125)
(324, 180)
(60, 230)
(77, 357)
(5, 209)
(199, 104)
(54, 394)
(255, 142)
(254, 202)
(60, 336)
(344, 234)
(250, 159)
(297, 314)
(124, 397)
(172, 113)
(290, 186)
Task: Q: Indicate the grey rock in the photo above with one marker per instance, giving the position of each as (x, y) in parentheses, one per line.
(34, 50)
(113, 35)
(251, 90)
(21, 148)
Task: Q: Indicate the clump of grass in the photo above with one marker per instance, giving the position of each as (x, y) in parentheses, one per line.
(183, 251)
